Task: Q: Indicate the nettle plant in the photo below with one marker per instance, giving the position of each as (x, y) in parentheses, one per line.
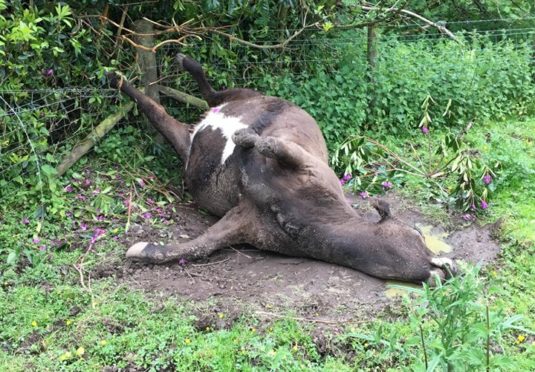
(449, 168)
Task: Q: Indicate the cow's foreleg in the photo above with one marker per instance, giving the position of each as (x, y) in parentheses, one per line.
(175, 132)
(236, 227)
(285, 152)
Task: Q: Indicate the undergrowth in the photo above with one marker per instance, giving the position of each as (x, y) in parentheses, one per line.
(51, 320)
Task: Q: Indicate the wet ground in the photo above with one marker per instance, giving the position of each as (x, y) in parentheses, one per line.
(269, 284)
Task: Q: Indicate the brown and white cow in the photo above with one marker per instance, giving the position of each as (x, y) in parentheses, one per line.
(261, 164)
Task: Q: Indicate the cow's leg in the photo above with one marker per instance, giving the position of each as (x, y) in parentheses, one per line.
(236, 227)
(175, 132)
(285, 152)
(196, 71)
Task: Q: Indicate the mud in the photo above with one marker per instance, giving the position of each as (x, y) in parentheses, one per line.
(268, 284)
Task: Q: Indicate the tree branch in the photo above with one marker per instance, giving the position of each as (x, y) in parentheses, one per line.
(439, 27)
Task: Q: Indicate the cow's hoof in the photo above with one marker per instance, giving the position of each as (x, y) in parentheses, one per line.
(245, 138)
(113, 79)
(445, 264)
(267, 147)
(180, 59)
(436, 277)
(146, 252)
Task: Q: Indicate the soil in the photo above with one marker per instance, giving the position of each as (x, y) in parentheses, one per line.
(239, 278)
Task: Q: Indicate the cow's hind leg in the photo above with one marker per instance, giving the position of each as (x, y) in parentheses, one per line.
(236, 227)
(285, 152)
(175, 132)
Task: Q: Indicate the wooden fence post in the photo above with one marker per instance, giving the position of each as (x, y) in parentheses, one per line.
(148, 65)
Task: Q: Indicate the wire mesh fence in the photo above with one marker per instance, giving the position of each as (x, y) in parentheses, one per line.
(37, 126)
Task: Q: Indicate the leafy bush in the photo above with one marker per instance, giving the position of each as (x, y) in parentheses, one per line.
(453, 327)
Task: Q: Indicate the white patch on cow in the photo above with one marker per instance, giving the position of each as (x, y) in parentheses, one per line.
(228, 125)
(442, 262)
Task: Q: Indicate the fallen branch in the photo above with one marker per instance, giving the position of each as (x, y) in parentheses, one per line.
(183, 97)
(92, 138)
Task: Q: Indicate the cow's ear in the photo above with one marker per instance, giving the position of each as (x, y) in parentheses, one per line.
(383, 208)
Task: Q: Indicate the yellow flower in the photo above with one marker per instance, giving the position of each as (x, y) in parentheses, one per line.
(103, 343)
(520, 339)
(65, 356)
(34, 323)
(80, 351)
(68, 322)
(187, 341)
(253, 329)
(295, 348)
(221, 315)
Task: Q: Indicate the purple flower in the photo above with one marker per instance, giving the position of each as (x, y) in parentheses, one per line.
(473, 207)
(68, 188)
(83, 226)
(345, 179)
(96, 191)
(86, 183)
(81, 197)
(182, 262)
(467, 217)
(68, 214)
(364, 194)
(487, 179)
(425, 130)
(96, 234)
(147, 215)
(48, 72)
(387, 185)
(101, 217)
(141, 183)
(42, 248)
(25, 221)
(484, 204)
(36, 240)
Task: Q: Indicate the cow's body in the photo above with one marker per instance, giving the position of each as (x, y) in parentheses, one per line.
(261, 164)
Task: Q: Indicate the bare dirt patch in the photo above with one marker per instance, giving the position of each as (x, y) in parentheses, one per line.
(243, 277)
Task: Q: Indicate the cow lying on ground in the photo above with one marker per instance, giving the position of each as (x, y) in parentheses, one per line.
(260, 163)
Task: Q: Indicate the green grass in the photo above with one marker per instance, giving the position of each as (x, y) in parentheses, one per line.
(49, 321)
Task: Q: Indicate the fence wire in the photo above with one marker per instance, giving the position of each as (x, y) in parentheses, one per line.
(36, 124)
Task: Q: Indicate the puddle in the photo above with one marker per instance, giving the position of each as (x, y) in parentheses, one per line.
(434, 241)
(399, 289)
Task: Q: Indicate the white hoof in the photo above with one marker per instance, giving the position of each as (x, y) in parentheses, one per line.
(136, 249)
(442, 262)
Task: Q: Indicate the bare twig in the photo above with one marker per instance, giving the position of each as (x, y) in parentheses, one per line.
(439, 27)
(195, 32)
(191, 277)
(238, 252)
(121, 24)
